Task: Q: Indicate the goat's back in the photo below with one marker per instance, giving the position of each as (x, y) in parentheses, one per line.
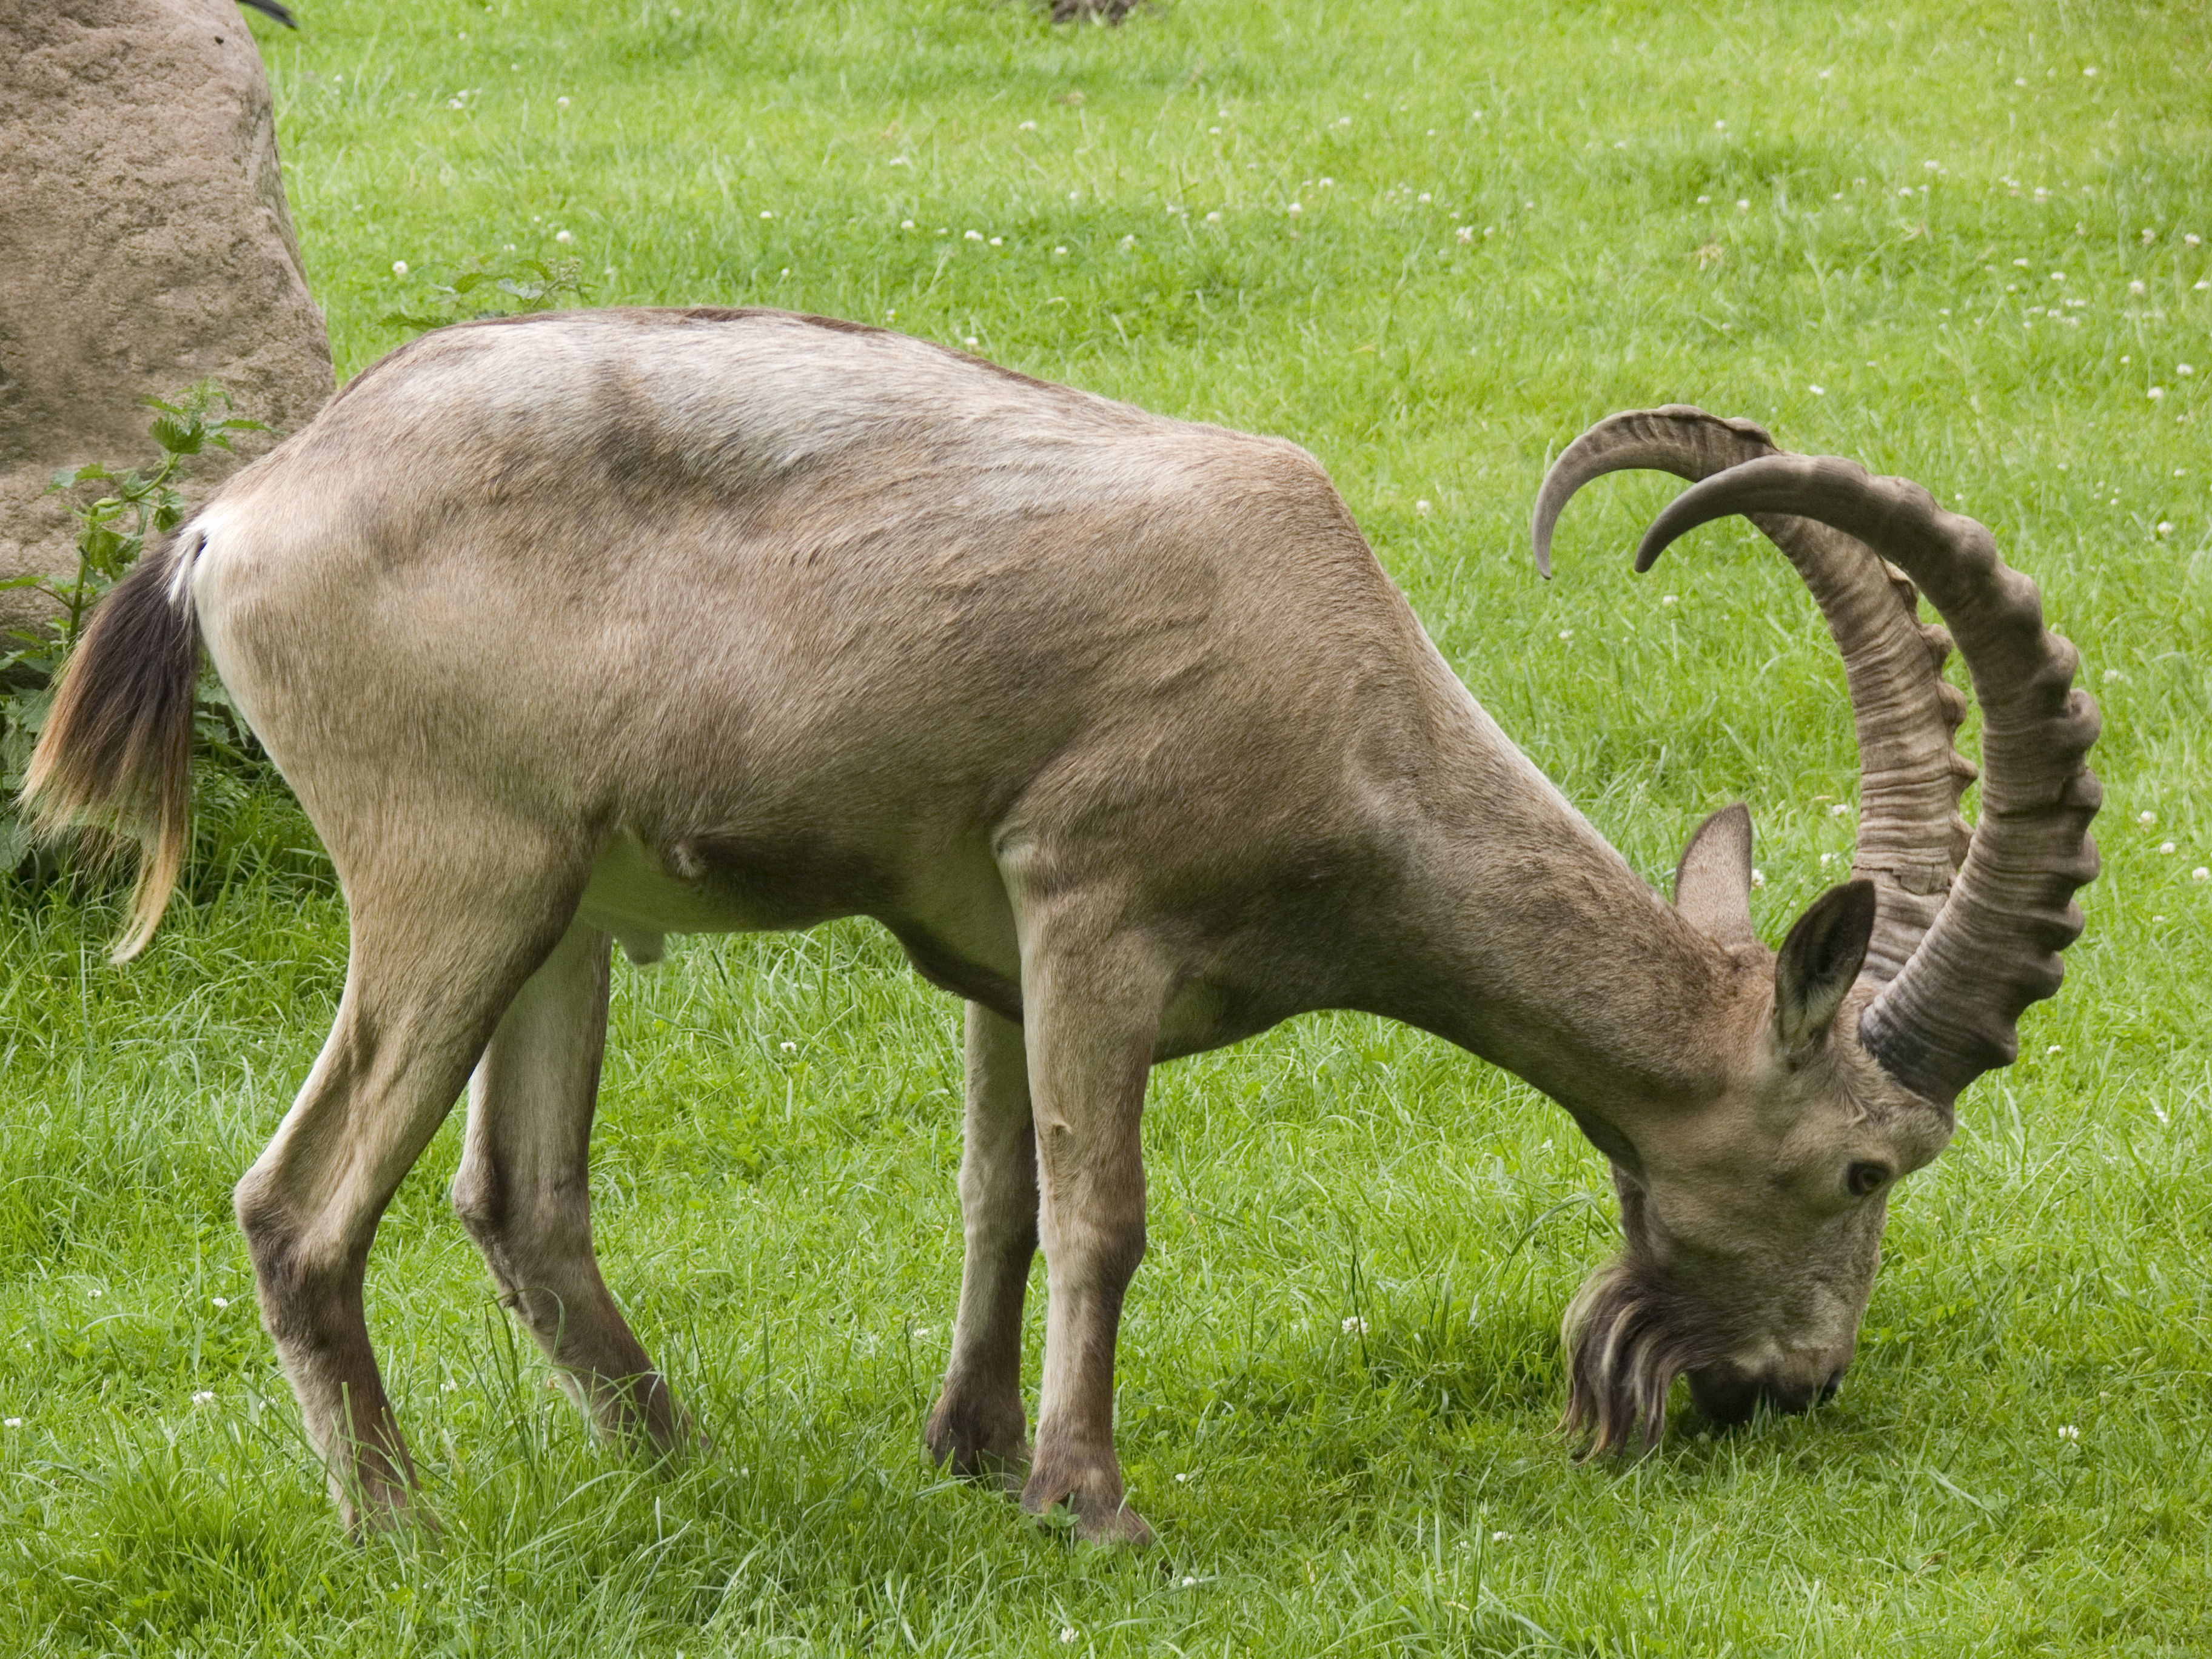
(671, 570)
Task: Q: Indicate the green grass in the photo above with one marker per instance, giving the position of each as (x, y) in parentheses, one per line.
(779, 1126)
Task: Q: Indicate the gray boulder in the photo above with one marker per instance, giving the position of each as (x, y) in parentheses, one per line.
(145, 243)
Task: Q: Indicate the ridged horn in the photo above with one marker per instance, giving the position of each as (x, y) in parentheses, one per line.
(1910, 837)
(1950, 1014)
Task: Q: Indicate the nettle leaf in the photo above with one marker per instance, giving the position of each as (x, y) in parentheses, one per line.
(16, 841)
(99, 545)
(183, 436)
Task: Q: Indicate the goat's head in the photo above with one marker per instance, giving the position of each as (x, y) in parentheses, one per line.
(1753, 1218)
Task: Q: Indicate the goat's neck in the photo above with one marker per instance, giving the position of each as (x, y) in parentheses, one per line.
(1535, 945)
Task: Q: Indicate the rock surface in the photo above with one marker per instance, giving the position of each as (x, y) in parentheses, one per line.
(145, 243)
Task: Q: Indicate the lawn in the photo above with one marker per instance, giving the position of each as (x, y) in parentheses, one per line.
(1431, 242)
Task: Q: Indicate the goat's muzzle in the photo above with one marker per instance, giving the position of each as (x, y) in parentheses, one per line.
(1728, 1394)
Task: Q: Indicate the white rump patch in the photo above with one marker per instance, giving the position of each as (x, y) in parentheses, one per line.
(190, 544)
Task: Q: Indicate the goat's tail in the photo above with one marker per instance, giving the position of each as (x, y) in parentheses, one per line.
(115, 755)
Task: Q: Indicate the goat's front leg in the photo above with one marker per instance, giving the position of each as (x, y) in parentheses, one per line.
(524, 1191)
(1090, 1012)
(978, 1426)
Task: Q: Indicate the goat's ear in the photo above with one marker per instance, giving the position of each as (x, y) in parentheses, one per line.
(1712, 883)
(1818, 961)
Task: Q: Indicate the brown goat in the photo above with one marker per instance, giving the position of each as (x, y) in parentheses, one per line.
(621, 624)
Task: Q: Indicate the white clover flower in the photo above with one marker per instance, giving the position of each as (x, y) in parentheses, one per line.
(2145, 818)
(2149, 236)
(2165, 847)
(1213, 218)
(2155, 393)
(970, 341)
(2184, 368)
(1758, 878)
(560, 103)
(788, 1047)
(2068, 1431)
(973, 235)
(1839, 810)
(1180, 1478)
(1720, 126)
(2052, 1049)
(1566, 632)
(1068, 1634)
(2091, 70)
(1818, 391)
(1355, 1325)
(2134, 287)
(1187, 1583)
(1825, 857)
(1295, 209)
(1501, 1538)
(399, 267)
(1423, 508)
(222, 1302)
(906, 224)
(1423, 198)
(2165, 526)
(1743, 204)
(1128, 244)
(1027, 126)
(1060, 250)
(767, 214)
(900, 161)
(563, 236)
(95, 1292)
(1466, 234)
(449, 1387)
(2057, 276)
(2159, 1112)
(11, 1423)
(1326, 183)
(997, 241)
(205, 1397)
(2192, 239)
(1704, 200)
(1668, 599)
(2200, 874)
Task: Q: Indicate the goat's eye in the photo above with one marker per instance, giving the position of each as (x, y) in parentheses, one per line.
(1866, 1178)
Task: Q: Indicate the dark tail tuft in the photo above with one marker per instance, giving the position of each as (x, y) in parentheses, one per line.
(116, 752)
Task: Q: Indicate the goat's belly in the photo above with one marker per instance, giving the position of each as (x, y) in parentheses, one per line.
(639, 894)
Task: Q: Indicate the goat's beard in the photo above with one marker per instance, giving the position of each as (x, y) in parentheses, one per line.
(1628, 1337)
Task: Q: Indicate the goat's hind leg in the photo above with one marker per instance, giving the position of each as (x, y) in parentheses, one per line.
(978, 1426)
(429, 973)
(523, 1191)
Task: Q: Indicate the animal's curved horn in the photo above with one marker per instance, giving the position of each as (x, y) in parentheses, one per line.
(1949, 1014)
(1910, 837)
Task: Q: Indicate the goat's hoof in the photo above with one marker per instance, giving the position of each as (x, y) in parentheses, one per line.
(383, 1513)
(1093, 1516)
(1000, 1459)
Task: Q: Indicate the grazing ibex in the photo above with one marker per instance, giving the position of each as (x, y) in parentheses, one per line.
(622, 623)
